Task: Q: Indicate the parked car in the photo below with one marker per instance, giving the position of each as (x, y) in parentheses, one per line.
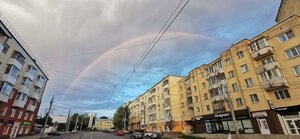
(153, 135)
(54, 133)
(105, 131)
(136, 135)
(120, 133)
(74, 131)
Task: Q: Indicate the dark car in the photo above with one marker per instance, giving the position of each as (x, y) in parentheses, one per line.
(54, 133)
(155, 135)
(136, 135)
(105, 131)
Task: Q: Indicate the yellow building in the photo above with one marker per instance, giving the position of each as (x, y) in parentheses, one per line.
(103, 124)
(259, 76)
(157, 105)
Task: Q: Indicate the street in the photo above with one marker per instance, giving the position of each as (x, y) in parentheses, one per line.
(88, 135)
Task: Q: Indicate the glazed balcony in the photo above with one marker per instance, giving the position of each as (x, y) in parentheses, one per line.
(38, 84)
(190, 106)
(15, 62)
(24, 89)
(219, 97)
(167, 107)
(4, 97)
(34, 95)
(275, 83)
(268, 66)
(8, 78)
(19, 103)
(261, 53)
(30, 107)
(29, 75)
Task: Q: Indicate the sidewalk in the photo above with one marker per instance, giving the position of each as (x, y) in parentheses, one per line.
(30, 137)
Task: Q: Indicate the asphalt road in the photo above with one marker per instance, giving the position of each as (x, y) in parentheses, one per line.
(89, 135)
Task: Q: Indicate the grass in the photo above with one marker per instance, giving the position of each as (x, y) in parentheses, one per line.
(189, 137)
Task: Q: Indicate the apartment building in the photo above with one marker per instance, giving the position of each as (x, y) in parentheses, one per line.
(258, 77)
(22, 84)
(103, 124)
(153, 110)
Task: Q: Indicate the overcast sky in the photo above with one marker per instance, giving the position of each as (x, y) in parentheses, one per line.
(88, 46)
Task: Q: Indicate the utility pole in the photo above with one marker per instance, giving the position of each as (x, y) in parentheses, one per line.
(75, 128)
(124, 118)
(81, 123)
(47, 117)
(144, 116)
(229, 101)
(67, 126)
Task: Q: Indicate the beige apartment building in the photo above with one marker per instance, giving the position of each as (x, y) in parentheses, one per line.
(103, 124)
(22, 84)
(260, 77)
(151, 110)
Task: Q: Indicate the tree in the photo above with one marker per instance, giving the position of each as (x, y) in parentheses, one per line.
(171, 123)
(41, 120)
(118, 117)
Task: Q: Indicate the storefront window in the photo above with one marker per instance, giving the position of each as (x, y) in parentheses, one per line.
(208, 127)
(231, 126)
(248, 126)
(225, 125)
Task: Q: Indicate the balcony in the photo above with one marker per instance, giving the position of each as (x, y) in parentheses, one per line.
(167, 107)
(4, 97)
(29, 75)
(166, 96)
(213, 86)
(9, 78)
(15, 62)
(19, 103)
(219, 97)
(275, 83)
(190, 106)
(222, 83)
(152, 112)
(30, 107)
(34, 95)
(268, 66)
(38, 84)
(24, 89)
(262, 53)
(166, 86)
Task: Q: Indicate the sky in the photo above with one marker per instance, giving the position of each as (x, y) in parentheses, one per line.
(88, 46)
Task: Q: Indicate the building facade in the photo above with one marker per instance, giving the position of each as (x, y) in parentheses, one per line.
(22, 84)
(103, 124)
(154, 109)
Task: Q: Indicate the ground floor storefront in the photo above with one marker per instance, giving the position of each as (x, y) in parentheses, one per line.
(289, 119)
(262, 122)
(12, 129)
(163, 127)
(135, 126)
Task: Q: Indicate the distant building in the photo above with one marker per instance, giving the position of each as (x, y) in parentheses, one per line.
(102, 124)
(22, 84)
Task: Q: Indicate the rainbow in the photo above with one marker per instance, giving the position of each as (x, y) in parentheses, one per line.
(134, 41)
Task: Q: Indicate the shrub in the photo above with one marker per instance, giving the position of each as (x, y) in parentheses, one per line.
(189, 137)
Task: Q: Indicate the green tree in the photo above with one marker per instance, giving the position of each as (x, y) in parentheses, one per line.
(41, 120)
(118, 117)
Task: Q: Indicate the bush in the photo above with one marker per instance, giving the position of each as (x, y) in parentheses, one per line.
(189, 137)
(165, 138)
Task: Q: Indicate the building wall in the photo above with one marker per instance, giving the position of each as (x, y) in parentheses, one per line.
(26, 107)
(103, 124)
(288, 8)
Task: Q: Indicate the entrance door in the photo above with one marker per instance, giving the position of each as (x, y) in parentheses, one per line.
(14, 130)
(294, 126)
(263, 126)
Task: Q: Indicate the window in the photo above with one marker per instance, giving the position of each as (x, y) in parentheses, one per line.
(231, 74)
(240, 54)
(21, 96)
(181, 104)
(27, 82)
(249, 82)
(13, 112)
(196, 98)
(18, 56)
(20, 114)
(205, 96)
(293, 52)
(12, 70)
(259, 44)
(5, 49)
(203, 85)
(26, 115)
(239, 102)
(271, 74)
(3, 111)
(244, 68)
(183, 114)
(282, 94)
(254, 98)
(228, 62)
(297, 70)
(31, 69)
(202, 75)
(195, 88)
(193, 79)
(5, 130)
(198, 109)
(41, 79)
(207, 108)
(235, 87)
(286, 36)
(268, 60)
(6, 88)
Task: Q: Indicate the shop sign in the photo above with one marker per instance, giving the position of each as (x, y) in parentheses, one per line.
(260, 114)
(26, 123)
(222, 115)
